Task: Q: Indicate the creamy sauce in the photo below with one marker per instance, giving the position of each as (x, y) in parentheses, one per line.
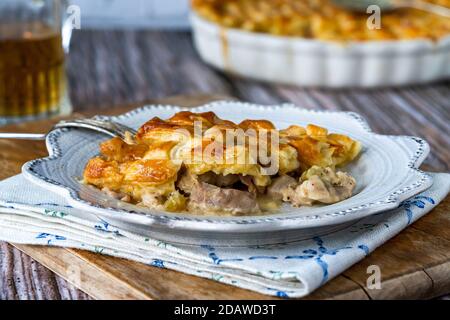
(268, 205)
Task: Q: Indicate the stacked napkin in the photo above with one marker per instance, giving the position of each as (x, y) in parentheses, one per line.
(32, 215)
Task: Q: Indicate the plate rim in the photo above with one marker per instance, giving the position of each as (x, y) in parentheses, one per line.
(240, 223)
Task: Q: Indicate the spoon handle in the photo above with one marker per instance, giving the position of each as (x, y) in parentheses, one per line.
(425, 6)
(22, 136)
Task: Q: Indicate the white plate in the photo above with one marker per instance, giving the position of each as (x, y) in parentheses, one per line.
(386, 174)
(309, 62)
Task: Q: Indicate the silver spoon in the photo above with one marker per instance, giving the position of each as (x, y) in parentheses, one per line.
(362, 5)
(108, 127)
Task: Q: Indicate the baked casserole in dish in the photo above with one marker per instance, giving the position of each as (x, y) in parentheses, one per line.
(315, 43)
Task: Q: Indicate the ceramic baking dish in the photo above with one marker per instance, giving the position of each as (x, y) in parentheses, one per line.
(307, 62)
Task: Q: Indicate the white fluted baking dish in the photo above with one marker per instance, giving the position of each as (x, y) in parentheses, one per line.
(307, 62)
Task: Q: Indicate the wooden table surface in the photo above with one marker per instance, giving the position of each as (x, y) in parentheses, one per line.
(109, 68)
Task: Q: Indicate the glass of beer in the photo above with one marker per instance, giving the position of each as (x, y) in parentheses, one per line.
(32, 74)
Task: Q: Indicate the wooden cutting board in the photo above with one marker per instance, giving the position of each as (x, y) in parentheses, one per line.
(414, 265)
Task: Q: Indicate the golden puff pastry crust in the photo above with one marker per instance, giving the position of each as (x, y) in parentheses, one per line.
(196, 147)
(315, 146)
(322, 20)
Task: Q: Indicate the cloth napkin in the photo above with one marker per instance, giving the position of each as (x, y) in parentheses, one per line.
(32, 215)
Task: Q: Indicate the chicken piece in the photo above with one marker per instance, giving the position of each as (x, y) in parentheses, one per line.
(318, 184)
(207, 198)
(280, 185)
(152, 200)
